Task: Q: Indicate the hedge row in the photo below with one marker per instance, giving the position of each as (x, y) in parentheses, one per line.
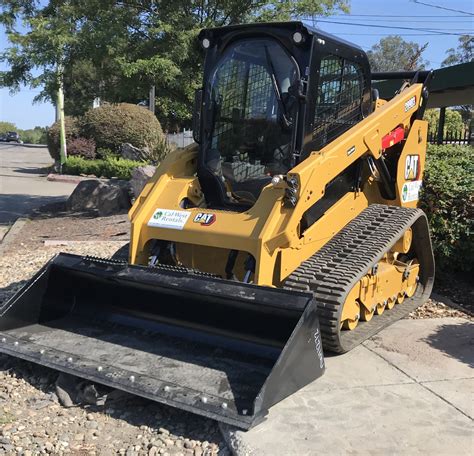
(108, 167)
(447, 197)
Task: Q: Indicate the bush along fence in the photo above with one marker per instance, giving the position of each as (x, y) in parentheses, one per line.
(447, 197)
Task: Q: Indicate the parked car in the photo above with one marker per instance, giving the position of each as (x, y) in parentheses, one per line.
(13, 136)
(3, 138)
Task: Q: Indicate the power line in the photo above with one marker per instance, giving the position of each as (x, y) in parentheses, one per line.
(441, 7)
(386, 34)
(470, 21)
(439, 32)
(393, 16)
(437, 29)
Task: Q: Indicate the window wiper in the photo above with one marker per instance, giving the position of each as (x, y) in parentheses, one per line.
(287, 122)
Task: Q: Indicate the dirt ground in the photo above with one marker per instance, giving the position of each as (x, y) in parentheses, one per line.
(54, 222)
(32, 419)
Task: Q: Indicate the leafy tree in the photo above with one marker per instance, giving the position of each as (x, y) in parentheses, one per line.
(117, 49)
(45, 45)
(6, 126)
(453, 122)
(35, 135)
(81, 85)
(463, 53)
(393, 53)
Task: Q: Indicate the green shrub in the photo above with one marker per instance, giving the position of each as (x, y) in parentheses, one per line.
(447, 198)
(30, 136)
(105, 153)
(112, 125)
(109, 167)
(72, 131)
(81, 147)
(37, 135)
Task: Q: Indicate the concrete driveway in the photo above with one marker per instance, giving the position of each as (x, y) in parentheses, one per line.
(407, 391)
(23, 184)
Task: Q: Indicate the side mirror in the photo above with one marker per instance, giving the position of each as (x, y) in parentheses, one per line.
(197, 114)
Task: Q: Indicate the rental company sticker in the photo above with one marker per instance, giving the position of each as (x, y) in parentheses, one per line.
(166, 218)
(411, 191)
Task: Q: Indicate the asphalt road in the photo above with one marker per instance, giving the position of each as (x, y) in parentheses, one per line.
(23, 184)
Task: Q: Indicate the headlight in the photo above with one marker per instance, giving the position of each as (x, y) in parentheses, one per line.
(298, 37)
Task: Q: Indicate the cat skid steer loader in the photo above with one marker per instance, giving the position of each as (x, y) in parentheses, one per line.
(289, 228)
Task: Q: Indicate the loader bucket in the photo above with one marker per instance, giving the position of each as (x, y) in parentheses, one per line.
(222, 349)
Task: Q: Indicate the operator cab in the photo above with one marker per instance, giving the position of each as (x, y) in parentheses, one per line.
(272, 93)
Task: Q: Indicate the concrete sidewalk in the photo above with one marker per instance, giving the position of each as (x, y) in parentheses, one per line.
(23, 184)
(407, 391)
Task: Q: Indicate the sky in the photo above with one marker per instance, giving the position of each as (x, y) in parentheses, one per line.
(375, 18)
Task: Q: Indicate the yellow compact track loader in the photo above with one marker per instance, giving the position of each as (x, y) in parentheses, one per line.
(289, 228)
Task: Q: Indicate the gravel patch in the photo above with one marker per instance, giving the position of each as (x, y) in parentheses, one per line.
(437, 309)
(32, 422)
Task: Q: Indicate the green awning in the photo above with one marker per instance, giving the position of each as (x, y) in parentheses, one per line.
(449, 86)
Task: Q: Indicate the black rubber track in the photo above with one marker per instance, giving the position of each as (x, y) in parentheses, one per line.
(334, 270)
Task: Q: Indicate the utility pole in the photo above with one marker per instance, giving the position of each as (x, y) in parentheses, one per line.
(151, 103)
(62, 126)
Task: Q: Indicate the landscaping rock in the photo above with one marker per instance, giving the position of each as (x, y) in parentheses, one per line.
(131, 152)
(140, 177)
(106, 198)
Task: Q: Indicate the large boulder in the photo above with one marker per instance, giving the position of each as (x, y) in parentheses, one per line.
(131, 152)
(103, 197)
(140, 177)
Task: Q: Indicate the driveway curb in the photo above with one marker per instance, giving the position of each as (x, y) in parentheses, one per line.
(66, 178)
(12, 233)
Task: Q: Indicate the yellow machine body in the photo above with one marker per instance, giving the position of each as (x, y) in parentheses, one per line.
(268, 230)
